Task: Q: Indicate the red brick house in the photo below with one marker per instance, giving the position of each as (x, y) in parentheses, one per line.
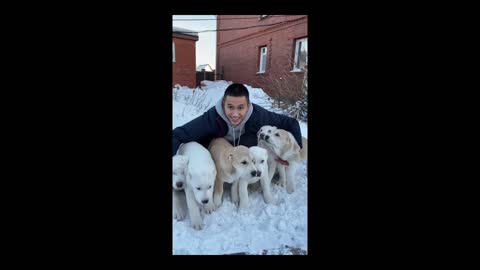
(263, 56)
(183, 62)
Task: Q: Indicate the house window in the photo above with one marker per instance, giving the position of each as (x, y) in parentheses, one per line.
(173, 51)
(301, 54)
(263, 60)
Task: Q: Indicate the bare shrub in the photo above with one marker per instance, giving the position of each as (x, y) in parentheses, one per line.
(289, 92)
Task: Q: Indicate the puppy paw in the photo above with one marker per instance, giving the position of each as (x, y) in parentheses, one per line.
(197, 225)
(268, 200)
(209, 208)
(290, 190)
(243, 205)
(235, 201)
(217, 201)
(179, 215)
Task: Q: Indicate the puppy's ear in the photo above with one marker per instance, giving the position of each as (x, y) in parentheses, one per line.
(287, 147)
(185, 168)
(296, 147)
(291, 150)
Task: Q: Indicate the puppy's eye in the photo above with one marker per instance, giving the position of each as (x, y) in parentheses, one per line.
(276, 134)
(262, 161)
(269, 131)
(244, 162)
(209, 187)
(198, 188)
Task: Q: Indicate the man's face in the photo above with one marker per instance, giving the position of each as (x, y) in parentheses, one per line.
(235, 109)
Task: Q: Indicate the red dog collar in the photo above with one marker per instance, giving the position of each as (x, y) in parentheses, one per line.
(281, 161)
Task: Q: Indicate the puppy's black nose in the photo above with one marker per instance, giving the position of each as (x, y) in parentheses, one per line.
(205, 201)
(253, 173)
(259, 173)
(179, 184)
(267, 137)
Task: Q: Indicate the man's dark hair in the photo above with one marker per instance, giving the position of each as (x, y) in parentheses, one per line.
(236, 90)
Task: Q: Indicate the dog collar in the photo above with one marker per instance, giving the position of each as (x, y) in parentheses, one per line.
(281, 161)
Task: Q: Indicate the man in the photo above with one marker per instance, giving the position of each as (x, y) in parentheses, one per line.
(234, 118)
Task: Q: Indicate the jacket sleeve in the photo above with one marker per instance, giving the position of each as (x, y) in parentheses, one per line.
(283, 122)
(198, 129)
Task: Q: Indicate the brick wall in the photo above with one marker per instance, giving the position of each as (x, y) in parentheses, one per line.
(239, 51)
(184, 66)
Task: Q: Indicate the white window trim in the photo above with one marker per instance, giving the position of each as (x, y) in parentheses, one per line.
(173, 51)
(260, 64)
(295, 69)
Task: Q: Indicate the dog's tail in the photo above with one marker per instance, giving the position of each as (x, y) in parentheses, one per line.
(303, 151)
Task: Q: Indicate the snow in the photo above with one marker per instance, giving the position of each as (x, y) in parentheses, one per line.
(185, 31)
(207, 67)
(260, 226)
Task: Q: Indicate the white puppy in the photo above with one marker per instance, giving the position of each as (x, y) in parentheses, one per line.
(179, 174)
(233, 163)
(201, 173)
(284, 154)
(240, 188)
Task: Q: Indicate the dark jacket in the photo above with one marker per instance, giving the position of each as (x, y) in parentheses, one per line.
(210, 125)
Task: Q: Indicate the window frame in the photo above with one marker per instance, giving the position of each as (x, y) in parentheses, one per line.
(295, 60)
(173, 51)
(260, 60)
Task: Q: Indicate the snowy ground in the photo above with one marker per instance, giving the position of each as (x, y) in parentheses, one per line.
(258, 229)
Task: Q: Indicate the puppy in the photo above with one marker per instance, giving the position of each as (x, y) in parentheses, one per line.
(239, 188)
(179, 171)
(201, 173)
(284, 154)
(232, 163)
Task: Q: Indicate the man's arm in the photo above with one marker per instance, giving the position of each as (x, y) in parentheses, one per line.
(197, 129)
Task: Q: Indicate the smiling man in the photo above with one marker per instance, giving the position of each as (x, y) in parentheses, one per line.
(236, 119)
